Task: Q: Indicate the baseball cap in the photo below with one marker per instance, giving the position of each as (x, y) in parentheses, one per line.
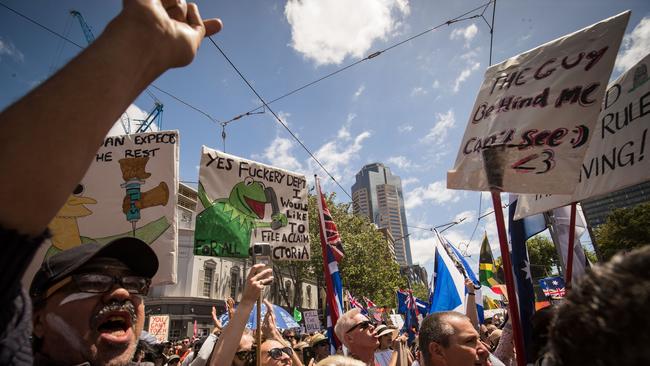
(133, 252)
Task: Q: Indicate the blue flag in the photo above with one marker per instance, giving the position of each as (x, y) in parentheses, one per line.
(520, 231)
(448, 285)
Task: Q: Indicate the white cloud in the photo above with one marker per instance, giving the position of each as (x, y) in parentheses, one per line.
(468, 33)
(279, 154)
(8, 48)
(404, 128)
(329, 31)
(409, 181)
(344, 131)
(337, 157)
(635, 46)
(438, 133)
(401, 162)
(465, 74)
(435, 192)
(436, 84)
(417, 91)
(359, 91)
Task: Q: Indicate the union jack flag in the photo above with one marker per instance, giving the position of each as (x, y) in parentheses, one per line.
(553, 287)
(332, 253)
(369, 302)
(354, 302)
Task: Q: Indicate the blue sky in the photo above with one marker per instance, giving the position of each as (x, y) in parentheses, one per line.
(407, 107)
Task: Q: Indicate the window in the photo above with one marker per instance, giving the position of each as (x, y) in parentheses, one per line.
(207, 281)
(309, 296)
(234, 281)
(288, 289)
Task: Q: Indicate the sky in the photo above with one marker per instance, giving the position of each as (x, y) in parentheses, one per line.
(407, 107)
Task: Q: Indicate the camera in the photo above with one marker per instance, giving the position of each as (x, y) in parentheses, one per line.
(261, 253)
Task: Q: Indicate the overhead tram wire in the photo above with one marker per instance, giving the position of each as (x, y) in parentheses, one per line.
(65, 38)
(458, 18)
(278, 119)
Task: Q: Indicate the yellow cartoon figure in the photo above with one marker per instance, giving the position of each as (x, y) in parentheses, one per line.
(64, 226)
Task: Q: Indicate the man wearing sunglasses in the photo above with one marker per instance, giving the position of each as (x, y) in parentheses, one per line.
(88, 303)
(356, 332)
(274, 353)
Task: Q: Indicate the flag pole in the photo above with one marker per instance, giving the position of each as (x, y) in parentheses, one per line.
(572, 236)
(510, 283)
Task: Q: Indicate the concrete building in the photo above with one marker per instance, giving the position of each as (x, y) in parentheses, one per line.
(204, 282)
(597, 209)
(377, 194)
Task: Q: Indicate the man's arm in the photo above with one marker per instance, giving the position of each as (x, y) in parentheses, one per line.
(49, 137)
(471, 310)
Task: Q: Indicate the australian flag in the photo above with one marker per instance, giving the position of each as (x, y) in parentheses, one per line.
(553, 287)
(411, 306)
(332, 254)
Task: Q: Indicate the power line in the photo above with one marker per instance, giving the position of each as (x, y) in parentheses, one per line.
(458, 18)
(277, 118)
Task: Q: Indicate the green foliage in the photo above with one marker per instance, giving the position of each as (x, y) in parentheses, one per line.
(421, 291)
(367, 269)
(542, 256)
(624, 230)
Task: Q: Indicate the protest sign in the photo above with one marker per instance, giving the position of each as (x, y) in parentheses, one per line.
(534, 114)
(312, 323)
(615, 158)
(159, 327)
(243, 202)
(397, 320)
(129, 190)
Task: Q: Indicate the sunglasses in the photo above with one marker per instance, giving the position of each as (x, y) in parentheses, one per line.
(363, 325)
(97, 283)
(244, 355)
(276, 353)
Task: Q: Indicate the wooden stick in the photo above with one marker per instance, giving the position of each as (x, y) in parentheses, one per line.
(572, 237)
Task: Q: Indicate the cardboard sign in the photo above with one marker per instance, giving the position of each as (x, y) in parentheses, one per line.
(397, 320)
(159, 327)
(312, 323)
(616, 156)
(129, 189)
(243, 202)
(535, 113)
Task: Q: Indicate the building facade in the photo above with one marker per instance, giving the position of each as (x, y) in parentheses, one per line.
(203, 282)
(597, 209)
(377, 194)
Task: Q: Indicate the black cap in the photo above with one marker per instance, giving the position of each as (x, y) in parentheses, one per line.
(133, 252)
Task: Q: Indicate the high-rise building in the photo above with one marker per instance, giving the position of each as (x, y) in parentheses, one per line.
(377, 194)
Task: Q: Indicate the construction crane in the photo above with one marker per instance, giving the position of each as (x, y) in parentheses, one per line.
(154, 117)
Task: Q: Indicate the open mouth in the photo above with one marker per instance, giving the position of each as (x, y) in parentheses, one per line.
(115, 326)
(256, 206)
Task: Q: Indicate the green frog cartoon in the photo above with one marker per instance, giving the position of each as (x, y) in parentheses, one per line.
(225, 226)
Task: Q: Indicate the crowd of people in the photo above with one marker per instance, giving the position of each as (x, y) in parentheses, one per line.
(85, 305)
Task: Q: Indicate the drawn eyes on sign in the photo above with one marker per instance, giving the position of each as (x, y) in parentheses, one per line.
(78, 189)
(522, 165)
(248, 181)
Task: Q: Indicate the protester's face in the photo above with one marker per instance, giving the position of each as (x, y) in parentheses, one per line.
(272, 357)
(385, 341)
(463, 344)
(322, 349)
(101, 328)
(361, 335)
(483, 354)
(243, 351)
(185, 344)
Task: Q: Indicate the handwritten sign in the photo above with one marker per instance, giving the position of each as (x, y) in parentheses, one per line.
(535, 113)
(159, 327)
(616, 156)
(243, 201)
(129, 189)
(312, 323)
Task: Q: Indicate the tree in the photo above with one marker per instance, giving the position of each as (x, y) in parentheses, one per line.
(542, 256)
(624, 230)
(367, 269)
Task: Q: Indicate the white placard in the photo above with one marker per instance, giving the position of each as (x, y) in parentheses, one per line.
(397, 320)
(159, 327)
(616, 157)
(243, 202)
(534, 114)
(312, 323)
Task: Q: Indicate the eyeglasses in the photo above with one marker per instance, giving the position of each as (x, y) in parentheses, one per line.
(276, 353)
(100, 283)
(244, 355)
(363, 325)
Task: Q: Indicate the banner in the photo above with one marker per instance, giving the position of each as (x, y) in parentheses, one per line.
(615, 158)
(159, 327)
(535, 113)
(129, 189)
(242, 202)
(312, 323)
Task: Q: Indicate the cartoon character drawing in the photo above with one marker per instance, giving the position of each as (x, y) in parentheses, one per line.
(225, 226)
(64, 226)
